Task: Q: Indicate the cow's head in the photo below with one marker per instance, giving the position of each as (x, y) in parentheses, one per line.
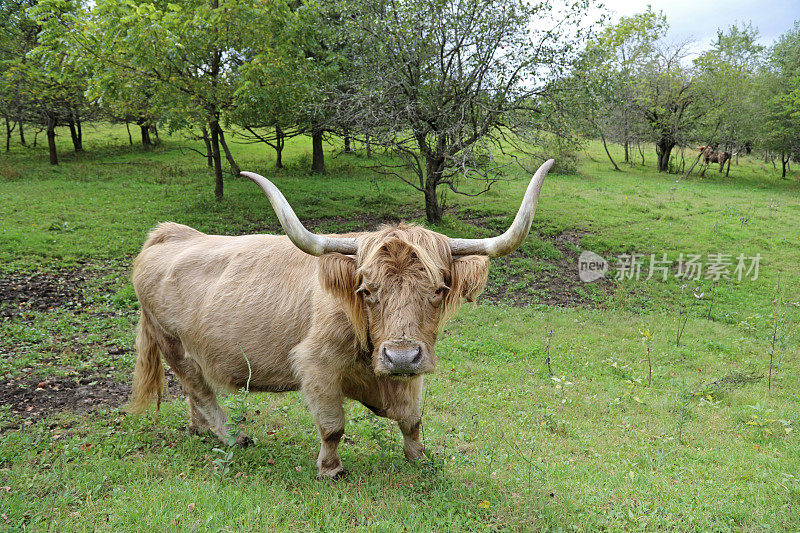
(400, 284)
(398, 291)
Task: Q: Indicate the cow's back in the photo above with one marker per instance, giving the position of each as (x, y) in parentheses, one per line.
(226, 298)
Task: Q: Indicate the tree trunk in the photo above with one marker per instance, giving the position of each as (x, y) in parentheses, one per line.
(79, 124)
(51, 137)
(234, 167)
(627, 136)
(127, 127)
(146, 142)
(8, 135)
(663, 151)
(317, 153)
(21, 132)
(728, 170)
(434, 166)
(218, 183)
(207, 141)
(369, 146)
(347, 148)
(433, 211)
(603, 137)
(784, 162)
(641, 152)
(74, 132)
(697, 160)
(280, 139)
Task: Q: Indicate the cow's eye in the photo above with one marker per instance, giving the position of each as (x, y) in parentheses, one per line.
(441, 290)
(364, 291)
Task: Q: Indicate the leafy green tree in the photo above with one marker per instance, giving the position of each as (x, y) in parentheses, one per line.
(727, 77)
(189, 53)
(17, 37)
(59, 71)
(277, 97)
(447, 85)
(781, 93)
(669, 100)
(626, 49)
(41, 80)
(606, 79)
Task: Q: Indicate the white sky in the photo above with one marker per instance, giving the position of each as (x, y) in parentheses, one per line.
(698, 20)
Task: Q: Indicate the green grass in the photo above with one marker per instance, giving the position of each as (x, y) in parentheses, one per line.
(509, 447)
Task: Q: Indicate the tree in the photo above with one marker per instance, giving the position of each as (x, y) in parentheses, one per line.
(668, 100)
(726, 75)
(446, 85)
(17, 37)
(781, 94)
(277, 96)
(189, 53)
(605, 79)
(41, 80)
(626, 48)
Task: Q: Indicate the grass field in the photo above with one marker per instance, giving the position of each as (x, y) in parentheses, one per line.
(543, 414)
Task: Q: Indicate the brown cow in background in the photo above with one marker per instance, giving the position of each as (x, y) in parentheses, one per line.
(352, 316)
(714, 156)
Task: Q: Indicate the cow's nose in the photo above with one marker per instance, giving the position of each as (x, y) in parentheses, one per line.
(402, 357)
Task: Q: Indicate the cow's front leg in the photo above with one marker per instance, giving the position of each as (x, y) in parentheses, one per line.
(408, 415)
(326, 407)
(412, 447)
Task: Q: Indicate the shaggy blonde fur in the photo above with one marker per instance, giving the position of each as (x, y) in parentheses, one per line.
(303, 322)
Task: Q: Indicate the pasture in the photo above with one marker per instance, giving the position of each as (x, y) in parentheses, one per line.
(557, 405)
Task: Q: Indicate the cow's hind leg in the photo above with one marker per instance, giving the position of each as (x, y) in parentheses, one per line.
(204, 411)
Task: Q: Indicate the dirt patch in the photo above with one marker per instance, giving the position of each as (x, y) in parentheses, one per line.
(40, 291)
(555, 282)
(30, 398)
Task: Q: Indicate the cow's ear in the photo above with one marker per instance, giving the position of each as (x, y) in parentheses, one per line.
(337, 275)
(468, 276)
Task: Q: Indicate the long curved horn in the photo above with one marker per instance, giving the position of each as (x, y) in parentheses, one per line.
(310, 243)
(510, 240)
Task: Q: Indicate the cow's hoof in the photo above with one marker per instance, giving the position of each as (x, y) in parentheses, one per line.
(337, 472)
(414, 451)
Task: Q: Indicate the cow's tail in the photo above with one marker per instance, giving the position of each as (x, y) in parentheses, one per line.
(148, 375)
